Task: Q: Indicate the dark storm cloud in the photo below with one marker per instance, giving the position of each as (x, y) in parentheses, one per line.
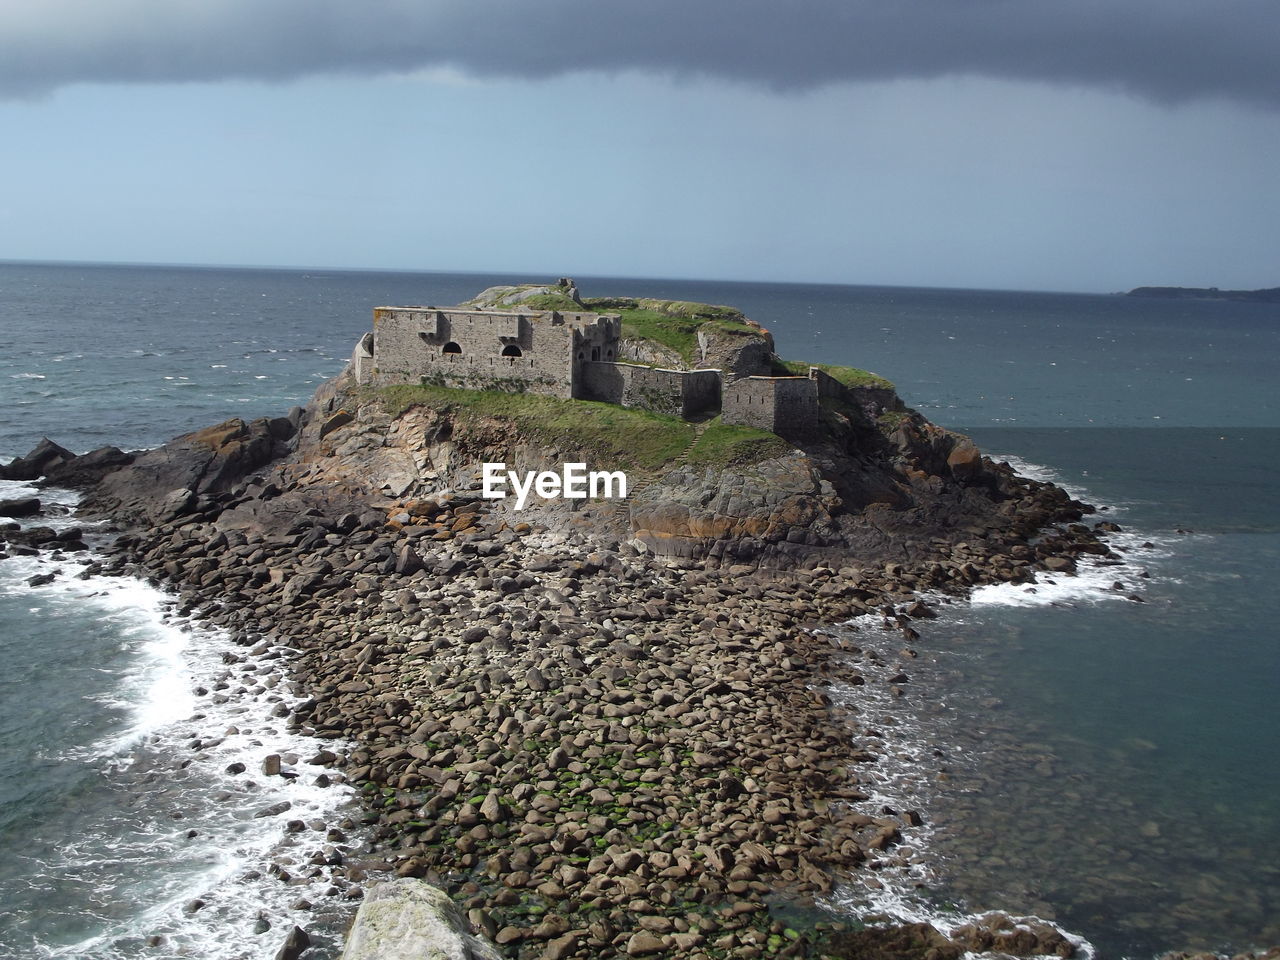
(1165, 50)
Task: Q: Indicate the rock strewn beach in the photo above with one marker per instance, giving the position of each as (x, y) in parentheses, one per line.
(598, 752)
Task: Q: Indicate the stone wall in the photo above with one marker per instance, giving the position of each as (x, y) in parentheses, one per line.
(681, 393)
(487, 349)
(362, 359)
(783, 405)
(575, 356)
(828, 387)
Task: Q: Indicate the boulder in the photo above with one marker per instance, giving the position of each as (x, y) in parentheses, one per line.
(295, 944)
(965, 460)
(22, 507)
(408, 919)
(335, 422)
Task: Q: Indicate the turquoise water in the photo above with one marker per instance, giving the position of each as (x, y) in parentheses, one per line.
(1109, 763)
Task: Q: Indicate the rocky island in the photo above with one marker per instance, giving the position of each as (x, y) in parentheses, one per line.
(1265, 295)
(598, 725)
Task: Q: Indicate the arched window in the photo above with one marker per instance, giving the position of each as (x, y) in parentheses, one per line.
(451, 347)
(511, 350)
(595, 353)
(608, 354)
(581, 355)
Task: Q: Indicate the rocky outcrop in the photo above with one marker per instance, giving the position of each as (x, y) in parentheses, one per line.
(35, 464)
(736, 354)
(513, 296)
(536, 705)
(59, 467)
(861, 490)
(990, 934)
(410, 919)
(775, 508)
(650, 352)
(167, 481)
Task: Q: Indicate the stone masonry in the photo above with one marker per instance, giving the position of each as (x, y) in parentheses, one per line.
(519, 351)
(683, 393)
(781, 405)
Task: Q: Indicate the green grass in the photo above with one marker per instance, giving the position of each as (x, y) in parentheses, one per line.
(890, 420)
(725, 444)
(678, 335)
(548, 301)
(672, 323)
(611, 436)
(849, 376)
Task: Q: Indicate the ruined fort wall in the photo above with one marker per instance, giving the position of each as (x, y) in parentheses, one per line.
(829, 388)
(680, 393)
(465, 349)
(362, 359)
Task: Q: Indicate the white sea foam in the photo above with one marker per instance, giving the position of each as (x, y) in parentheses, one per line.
(203, 839)
(58, 505)
(1096, 580)
(26, 376)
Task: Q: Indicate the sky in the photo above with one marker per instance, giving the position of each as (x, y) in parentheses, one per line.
(1087, 145)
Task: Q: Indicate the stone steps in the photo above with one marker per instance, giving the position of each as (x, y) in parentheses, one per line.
(639, 481)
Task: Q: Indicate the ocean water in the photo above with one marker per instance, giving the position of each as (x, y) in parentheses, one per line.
(1110, 764)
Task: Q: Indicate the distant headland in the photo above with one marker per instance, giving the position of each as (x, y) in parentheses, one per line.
(1268, 295)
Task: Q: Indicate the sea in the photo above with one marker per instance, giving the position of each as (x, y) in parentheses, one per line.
(1099, 750)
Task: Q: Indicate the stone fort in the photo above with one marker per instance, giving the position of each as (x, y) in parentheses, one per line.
(573, 356)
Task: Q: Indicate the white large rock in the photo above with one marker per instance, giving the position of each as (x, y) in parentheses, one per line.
(410, 919)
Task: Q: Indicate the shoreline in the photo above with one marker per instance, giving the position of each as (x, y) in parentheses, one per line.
(185, 788)
(792, 784)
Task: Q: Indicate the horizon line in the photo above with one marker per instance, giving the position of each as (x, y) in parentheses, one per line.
(188, 265)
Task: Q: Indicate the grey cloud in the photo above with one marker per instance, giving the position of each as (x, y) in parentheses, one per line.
(1164, 50)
